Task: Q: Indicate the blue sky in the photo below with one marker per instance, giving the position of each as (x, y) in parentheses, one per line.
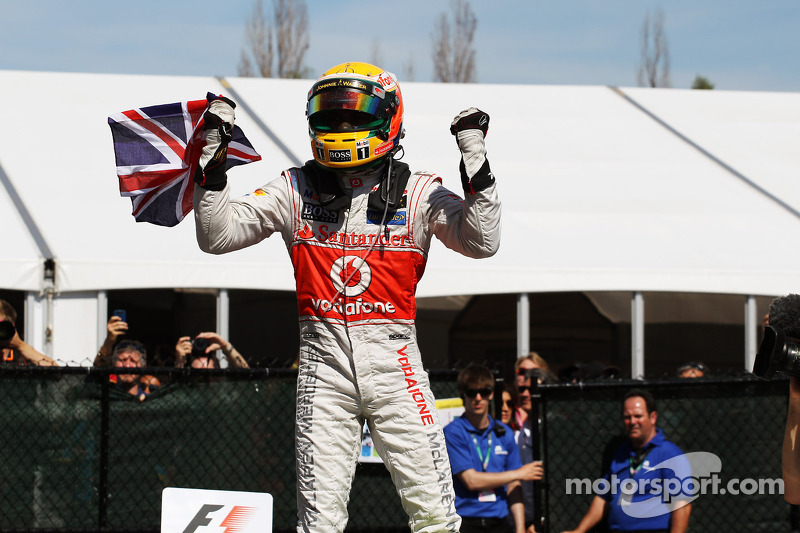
(738, 45)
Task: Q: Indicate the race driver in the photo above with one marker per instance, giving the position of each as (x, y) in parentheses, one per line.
(358, 225)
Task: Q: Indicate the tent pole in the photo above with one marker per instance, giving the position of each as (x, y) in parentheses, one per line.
(102, 316)
(637, 335)
(49, 310)
(34, 320)
(523, 325)
(750, 332)
(223, 317)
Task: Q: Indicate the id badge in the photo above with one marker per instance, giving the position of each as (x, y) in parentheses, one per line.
(487, 496)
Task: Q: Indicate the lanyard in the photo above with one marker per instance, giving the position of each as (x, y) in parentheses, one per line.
(635, 460)
(484, 461)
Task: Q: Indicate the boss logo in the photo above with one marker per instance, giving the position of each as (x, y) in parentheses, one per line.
(395, 336)
(319, 213)
(339, 156)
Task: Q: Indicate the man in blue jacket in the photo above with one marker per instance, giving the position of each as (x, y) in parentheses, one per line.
(484, 459)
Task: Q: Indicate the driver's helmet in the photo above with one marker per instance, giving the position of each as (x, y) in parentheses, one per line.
(355, 116)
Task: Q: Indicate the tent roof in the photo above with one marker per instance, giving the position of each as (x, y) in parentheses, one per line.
(603, 189)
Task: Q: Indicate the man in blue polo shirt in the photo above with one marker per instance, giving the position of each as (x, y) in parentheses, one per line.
(484, 459)
(645, 480)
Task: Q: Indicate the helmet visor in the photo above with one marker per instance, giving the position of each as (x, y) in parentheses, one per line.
(342, 110)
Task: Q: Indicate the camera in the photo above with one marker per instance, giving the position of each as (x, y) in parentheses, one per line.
(199, 346)
(7, 330)
(777, 353)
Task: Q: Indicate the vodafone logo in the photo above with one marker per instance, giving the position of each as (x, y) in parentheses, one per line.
(351, 275)
(386, 80)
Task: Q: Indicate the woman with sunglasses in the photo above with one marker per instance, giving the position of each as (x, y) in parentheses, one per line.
(509, 409)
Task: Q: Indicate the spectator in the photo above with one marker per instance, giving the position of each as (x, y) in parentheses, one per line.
(508, 409)
(525, 441)
(644, 448)
(201, 352)
(13, 349)
(784, 317)
(116, 328)
(529, 362)
(484, 459)
(130, 354)
(790, 459)
(694, 369)
(522, 368)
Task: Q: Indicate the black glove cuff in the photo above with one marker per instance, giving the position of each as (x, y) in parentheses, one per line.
(217, 183)
(213, 177)
(480, 181)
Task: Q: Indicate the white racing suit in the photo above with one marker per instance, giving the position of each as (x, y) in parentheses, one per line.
(359, 358)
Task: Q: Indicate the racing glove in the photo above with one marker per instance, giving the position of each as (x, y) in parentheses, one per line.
(218, 129)
(470, 128)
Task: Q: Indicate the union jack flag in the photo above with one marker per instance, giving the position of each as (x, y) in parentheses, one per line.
(157, 150)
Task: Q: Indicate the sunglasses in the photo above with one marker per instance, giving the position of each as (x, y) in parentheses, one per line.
(692, 366)
(509, 403)
(525, 388)
(484, 392)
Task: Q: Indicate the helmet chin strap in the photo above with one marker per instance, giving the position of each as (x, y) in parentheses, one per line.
(389, 184)
(388, 195)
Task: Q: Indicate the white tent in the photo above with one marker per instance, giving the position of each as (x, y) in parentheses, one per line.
(604, 191)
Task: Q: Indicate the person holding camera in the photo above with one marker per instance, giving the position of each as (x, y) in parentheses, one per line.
(484, 460)
(201, 352)
(131, 354)
(126, 353)
(13, 349)
(116, 327)
(779, 354)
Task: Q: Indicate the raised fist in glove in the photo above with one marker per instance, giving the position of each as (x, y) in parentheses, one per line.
(470, 119)
(470, 128)
(218, 129)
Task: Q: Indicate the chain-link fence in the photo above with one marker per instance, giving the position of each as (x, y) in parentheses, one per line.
(79, 455)
(740, 420)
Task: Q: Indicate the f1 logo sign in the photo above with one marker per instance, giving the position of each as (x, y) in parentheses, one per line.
(238, 517)
(201, 518)
(189, 511)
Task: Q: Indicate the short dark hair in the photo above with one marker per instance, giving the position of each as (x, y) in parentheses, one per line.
(647, 396)
(474, 376)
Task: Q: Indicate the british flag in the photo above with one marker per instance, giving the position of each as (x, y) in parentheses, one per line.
(157, 150)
